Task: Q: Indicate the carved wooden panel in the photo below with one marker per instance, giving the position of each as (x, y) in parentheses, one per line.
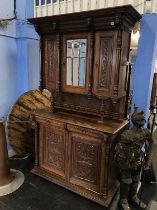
(85, 160)
(51, 62)
(53, 153)
(104, 63)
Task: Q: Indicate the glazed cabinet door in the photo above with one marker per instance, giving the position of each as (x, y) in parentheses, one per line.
(76, 63)
(50, 61)
(104, 63)
(52, 149)
(85, 160)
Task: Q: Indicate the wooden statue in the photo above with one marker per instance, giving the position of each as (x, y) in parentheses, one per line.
(133, 154)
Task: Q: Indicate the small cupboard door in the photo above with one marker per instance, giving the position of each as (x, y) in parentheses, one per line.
(104, 63)
(50, 61)
(52, 150)
(85, 161)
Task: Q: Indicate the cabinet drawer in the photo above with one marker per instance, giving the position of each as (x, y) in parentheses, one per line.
(52, 150)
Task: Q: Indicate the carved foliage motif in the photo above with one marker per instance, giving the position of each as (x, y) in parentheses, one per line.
(51, 61)
(86, 161)
(55, 149)
(104, 62)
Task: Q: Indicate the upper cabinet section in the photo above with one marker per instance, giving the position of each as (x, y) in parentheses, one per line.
(123, 17)
(84, 60)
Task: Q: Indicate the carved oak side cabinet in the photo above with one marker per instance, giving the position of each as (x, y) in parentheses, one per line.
(84, 59)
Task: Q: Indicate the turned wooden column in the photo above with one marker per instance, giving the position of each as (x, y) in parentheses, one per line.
(5, 176)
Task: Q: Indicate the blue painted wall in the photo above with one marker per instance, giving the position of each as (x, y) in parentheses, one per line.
(27, 57)
(24, 9)
(145, 63)
(6, 9)
(19, 53)
(8, 64)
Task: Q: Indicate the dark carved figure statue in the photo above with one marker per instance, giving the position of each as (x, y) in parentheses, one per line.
(133, 153)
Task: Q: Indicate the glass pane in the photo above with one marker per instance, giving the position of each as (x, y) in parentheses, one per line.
(48, 1)
(42, 2)
(37, 2)
(76, 62)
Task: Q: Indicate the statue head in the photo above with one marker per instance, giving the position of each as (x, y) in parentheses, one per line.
(138, 118)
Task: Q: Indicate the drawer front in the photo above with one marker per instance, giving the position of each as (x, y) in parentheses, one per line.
(85, 161)
(52, 149)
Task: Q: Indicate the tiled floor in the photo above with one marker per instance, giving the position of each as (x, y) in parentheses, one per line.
(39, 194)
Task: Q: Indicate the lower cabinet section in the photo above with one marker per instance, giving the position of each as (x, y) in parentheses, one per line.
(77, 154)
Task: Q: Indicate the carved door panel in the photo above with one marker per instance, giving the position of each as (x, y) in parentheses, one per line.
(51, 61)
(52, 150)
(104, 63)
(85, 161)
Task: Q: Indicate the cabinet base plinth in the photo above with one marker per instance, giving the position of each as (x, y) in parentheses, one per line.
(87, 193)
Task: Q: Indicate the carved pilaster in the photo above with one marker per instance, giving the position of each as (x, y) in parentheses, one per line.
(119, 39)
(89, 90)
(52, 102)
(115, 90)
(91, 35)
(91, 39)
(118, 63)
(102, 110)
(117, 20)
(114, 102)
(90, 23)
(42, 51)
(58, 82)
(54, 26)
